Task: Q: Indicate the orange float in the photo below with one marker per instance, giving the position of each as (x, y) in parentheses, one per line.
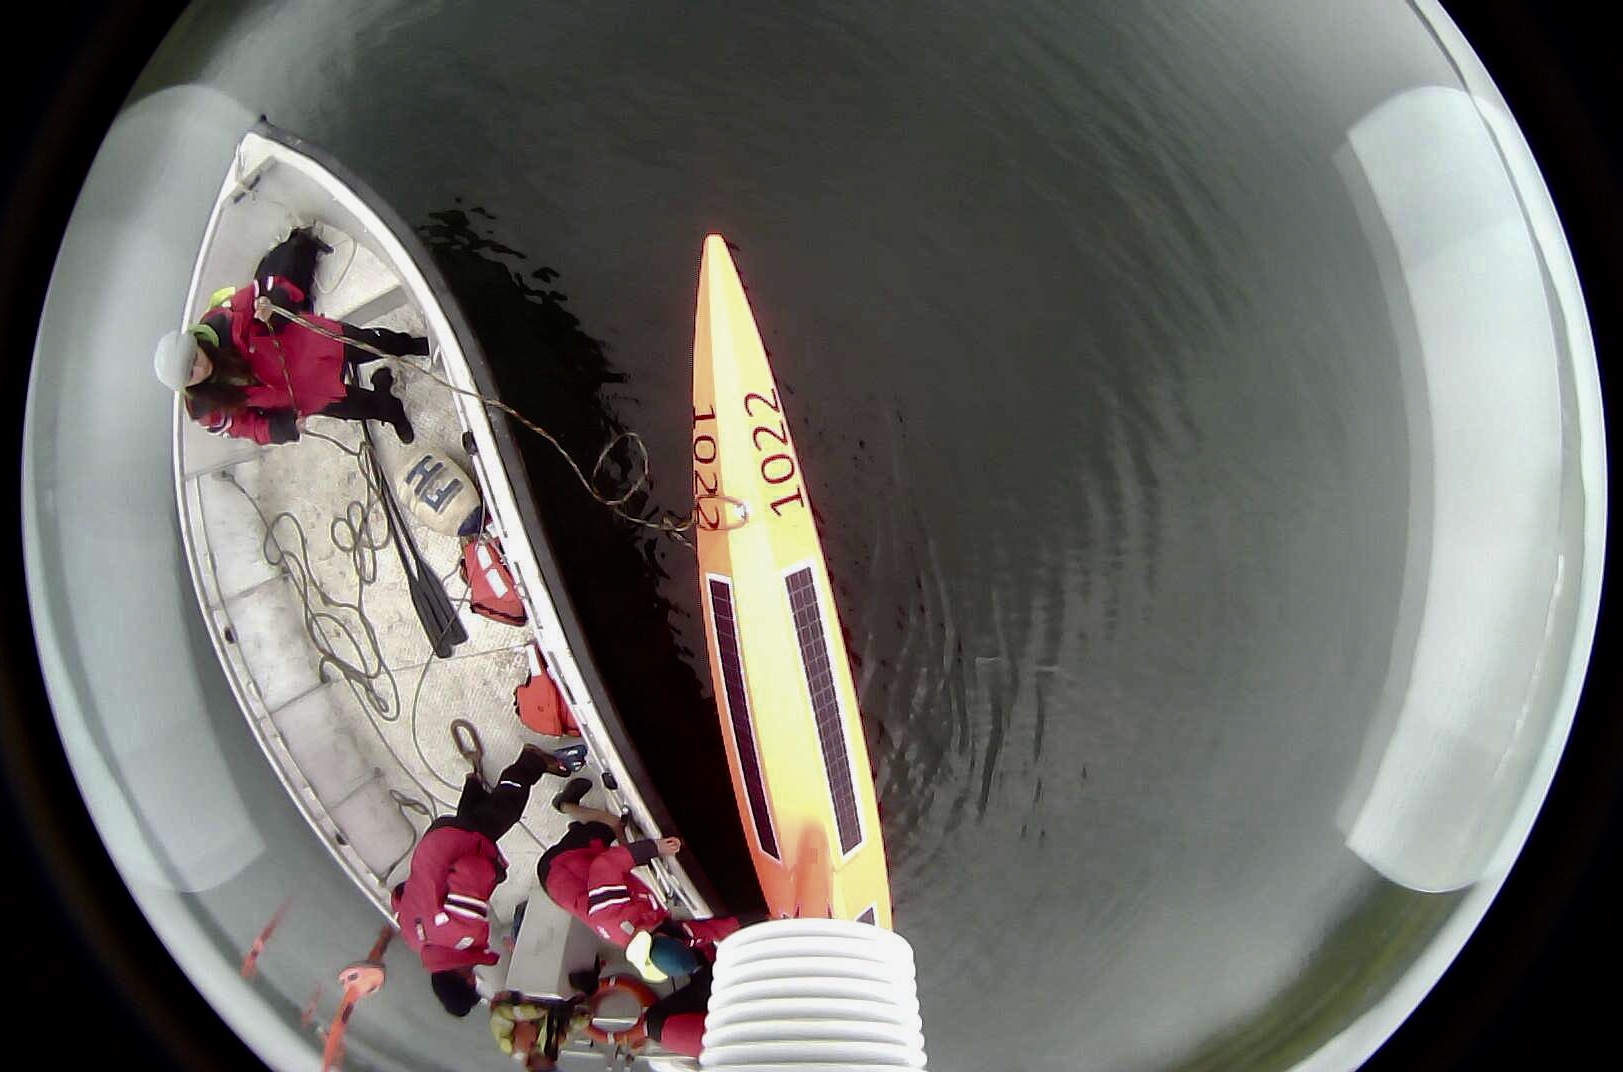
(637, 1033)
(782, 678)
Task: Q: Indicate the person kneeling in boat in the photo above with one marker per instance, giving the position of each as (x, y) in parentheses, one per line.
(247, 370)
(589, 876)
(443, 907)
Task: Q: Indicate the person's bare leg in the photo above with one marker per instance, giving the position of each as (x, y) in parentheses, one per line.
(583, 814)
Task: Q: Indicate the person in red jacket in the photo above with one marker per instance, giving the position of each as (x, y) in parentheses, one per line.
(589, 876)
(250, 372)
(443, 907)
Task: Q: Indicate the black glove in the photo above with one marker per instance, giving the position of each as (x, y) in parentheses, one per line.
(283, 425)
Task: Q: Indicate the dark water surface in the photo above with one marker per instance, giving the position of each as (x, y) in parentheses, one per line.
(1092, 376)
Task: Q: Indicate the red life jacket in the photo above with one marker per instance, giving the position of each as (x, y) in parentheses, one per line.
(490, 583)
(443, 907)
(540, 705)
(595, 885)
(684, 1033)
(297, 360)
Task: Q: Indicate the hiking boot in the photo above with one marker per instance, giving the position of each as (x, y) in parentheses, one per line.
(401, 423)
(395, 415)
(551, 763)
(572, 793)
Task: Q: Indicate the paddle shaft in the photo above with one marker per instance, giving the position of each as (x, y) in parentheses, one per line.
(434, 608)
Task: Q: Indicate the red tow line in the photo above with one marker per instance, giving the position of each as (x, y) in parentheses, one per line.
(250, 963)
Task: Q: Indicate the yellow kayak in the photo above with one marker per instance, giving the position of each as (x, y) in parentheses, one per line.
(777, 656)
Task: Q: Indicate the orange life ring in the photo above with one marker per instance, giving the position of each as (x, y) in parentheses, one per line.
(636, 1034)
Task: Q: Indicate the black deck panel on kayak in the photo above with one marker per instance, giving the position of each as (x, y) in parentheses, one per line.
(738, 711)
(802, 589)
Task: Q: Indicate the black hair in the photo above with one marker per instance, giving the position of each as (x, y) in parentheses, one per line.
(455, 992)
(225, 388)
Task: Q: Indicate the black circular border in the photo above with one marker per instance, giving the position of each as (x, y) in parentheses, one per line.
(90, 980)
(1523, 991)
(1530, 989)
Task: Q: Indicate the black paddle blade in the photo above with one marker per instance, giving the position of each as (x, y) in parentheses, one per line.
(437, 614)
(435, 610)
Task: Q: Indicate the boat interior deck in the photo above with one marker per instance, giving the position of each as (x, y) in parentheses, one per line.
(309, 608)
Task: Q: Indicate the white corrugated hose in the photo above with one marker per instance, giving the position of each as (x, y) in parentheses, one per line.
(807, 995)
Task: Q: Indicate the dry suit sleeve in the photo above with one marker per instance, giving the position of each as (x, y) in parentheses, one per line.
(283, 293)
(262, 426)
(282, 425)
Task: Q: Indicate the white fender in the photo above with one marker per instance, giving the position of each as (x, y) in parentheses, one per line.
(439, 493)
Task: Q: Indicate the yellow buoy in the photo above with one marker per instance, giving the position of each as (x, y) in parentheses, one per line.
(782, 679)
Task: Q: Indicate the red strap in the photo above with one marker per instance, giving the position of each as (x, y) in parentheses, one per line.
(683, 1033)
